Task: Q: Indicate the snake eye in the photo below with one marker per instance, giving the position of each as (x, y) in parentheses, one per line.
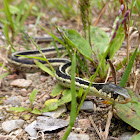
(115, 95)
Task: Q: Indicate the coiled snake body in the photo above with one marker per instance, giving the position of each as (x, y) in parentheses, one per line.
(108, 91)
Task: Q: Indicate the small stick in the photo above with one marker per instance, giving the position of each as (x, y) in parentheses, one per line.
(95, 127)
(113, 71)
(110, 114)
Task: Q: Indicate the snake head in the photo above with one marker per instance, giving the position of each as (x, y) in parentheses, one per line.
(116, 93)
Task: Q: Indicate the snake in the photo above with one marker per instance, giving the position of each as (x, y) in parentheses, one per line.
(108, 91)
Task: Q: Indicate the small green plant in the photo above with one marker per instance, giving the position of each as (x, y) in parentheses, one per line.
(15, 17)
(30, 109)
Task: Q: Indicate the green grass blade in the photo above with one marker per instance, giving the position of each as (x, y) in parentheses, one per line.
(6, 30)
(44, 68)
(55, 37)
(24, 17)
(40, 52)
(4, 75)
(21, 8)
(8, 14)
(56, 48)
(74, 102)
(4, 67)
(128, 69)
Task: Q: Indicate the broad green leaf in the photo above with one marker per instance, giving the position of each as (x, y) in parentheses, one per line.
(33, 95)
(50, 105)
(75, 40)
(13, 9)
(44, 68)
(100, 40)
(128, 69)
(137, 137)
(66, 98)
(56, 90)
(26, 116)
(36, 111)
(130, 112)
(17, 109)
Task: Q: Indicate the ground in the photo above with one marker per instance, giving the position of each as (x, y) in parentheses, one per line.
(45, 84)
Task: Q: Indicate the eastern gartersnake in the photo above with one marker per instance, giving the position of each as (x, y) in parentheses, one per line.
(106, 91)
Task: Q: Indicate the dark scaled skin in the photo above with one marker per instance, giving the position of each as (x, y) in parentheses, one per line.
(116, 91)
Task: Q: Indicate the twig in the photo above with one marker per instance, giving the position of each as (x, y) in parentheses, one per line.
(108, 73)
(95, 127)
(100, 14)
(110, 114)
(113, 71)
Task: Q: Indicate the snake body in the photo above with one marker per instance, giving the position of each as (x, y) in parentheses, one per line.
(107, 91)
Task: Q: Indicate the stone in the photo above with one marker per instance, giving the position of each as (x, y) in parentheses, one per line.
(11, 125)
(74, 136)
(2, 117)
(21, 83)
(126, 136)
(87, 106)
(13, 100)
(49, 124)
(31, 130)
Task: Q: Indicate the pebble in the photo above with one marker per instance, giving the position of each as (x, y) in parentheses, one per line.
(30, 129)
(13, 100)
(84, 123)
(87, 106)
(74, 136)
(23, 92)
(57, 113)
(2, 117)
(126, 136)
(21, 83)
(33, 76)
(54, 19)
(11, 125)
(49, 124)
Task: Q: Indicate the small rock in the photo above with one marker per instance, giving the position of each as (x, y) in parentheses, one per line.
(30, 129)
(9, 126)
(126, 136)
(2, 117)
(21, 83)
(54, 19)
(84, 123)
(43, 78)
(56, 113)
(13, 100)
(50, 124)
(33, 76)
(87, 106)
(74, 136)
(23, 92)
(28, 101)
